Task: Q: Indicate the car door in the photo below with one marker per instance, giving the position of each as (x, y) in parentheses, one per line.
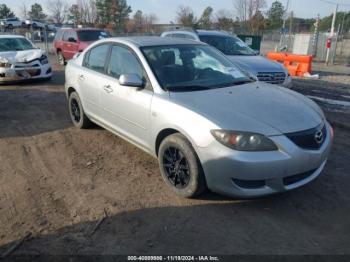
(92, 79)
(72, 44)
(126, 108)
(64, 44)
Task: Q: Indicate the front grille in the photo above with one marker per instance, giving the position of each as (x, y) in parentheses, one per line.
(307, 139)
(249, 184)
(287, 181)
(276, 78)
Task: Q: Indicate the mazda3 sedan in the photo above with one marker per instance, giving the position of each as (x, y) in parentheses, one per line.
(209, 124)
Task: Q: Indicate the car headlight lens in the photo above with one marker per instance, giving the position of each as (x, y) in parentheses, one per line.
(5, 65)
(244, 141)
(44, 60)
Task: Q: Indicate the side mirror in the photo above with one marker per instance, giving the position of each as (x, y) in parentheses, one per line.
(130, 80)
(72, 40)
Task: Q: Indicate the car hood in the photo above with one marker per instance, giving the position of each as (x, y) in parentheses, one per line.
(256, 107)
(256, 64)
(20, 56)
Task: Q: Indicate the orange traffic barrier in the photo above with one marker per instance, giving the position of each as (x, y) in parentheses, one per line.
(297, 65)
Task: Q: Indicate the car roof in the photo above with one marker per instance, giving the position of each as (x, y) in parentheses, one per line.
(11, 36)
(179, 32)
(143, 41)
(81, 29)
(212, 32)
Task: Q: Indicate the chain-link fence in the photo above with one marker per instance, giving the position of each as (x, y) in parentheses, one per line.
(41, 37)
(271, 41)
(339, 51)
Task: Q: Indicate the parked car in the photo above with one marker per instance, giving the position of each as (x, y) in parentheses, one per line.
(11, 23)
(21, 60)
(240, 53)
(208, 123)
(35, 23)
(69, 42)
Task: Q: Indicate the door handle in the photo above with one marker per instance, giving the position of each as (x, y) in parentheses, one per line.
(108, 88)
(82, 77)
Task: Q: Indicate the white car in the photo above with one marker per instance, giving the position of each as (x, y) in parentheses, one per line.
(21, 60)
(35, 23)
(11, 23)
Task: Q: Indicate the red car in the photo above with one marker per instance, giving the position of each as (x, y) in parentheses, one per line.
(70, 41)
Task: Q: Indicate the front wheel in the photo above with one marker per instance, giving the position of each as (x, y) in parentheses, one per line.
(76, 111)
(180, 166)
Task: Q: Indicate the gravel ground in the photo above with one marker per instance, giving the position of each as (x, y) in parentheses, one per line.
(90, 192)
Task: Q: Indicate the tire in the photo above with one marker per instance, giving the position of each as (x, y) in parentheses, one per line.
(76, 112)
(186, 176)
(60, 59)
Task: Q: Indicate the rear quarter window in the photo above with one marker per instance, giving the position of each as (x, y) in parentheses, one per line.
(96, 58)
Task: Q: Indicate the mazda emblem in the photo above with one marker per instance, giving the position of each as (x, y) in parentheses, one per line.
(319, 137)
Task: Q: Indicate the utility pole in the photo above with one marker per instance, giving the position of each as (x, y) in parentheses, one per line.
(284, 25)
(290, 29)
(316, 35)
(332, 32)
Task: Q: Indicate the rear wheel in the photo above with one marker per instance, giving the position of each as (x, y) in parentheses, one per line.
(76, 111)
(60, 59)
(180, 166)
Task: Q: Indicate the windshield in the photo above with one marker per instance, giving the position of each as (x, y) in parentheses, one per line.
(15, 44)
(92, 35)
(229, 45)
(192, 67)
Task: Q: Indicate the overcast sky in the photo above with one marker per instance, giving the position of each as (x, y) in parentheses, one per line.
(166, 9)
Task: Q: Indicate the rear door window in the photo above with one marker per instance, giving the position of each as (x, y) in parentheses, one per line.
(66, 36)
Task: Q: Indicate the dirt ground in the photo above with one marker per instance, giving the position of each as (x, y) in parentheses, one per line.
(58, 183)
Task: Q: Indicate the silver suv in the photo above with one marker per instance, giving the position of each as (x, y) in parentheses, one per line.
(240, 53)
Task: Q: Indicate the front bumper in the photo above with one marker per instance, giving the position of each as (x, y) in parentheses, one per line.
(21, 72)
(254, 174)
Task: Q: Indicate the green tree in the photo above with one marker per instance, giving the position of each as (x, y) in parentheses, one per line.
(326, 22)
(5, 12)
(113, 12)
(36, 12)
(205, 22)
(186, 17)
(275, 15)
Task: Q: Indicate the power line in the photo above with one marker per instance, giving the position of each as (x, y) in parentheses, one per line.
(334, 3)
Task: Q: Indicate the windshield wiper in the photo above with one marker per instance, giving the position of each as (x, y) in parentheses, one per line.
(187, 88)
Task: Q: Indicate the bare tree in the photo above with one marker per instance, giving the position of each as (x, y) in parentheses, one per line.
(246, 9)
(88, 11)
(247, 12)
(23, 9)
(58, 10)
(224, 20)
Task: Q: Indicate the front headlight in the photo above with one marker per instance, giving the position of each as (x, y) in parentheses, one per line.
(244, 141)
(44, 60)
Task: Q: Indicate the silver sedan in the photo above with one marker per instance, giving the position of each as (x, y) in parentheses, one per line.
(210, 125)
